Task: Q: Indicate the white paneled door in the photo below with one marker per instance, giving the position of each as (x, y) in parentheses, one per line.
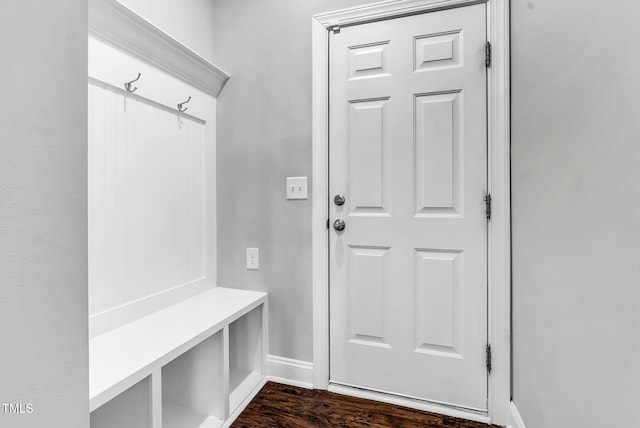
(408, 155)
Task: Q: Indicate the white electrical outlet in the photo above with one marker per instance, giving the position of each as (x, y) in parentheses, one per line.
(253, 259)
(296, 187)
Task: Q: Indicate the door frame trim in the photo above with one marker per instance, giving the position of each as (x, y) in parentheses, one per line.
(499, 233)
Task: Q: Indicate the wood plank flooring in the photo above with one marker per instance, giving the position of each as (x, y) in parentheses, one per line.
(278, 405)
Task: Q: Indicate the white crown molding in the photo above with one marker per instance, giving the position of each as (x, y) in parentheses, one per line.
(114, 23)
(386, 9)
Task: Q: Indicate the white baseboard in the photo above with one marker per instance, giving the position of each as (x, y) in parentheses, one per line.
(289, 371)
(515, 420)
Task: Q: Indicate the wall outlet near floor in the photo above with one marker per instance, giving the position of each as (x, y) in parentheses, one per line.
(296, 187)
(253, 259)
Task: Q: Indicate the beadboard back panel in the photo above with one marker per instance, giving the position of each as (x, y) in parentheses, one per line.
(151, 189)
(146, 198)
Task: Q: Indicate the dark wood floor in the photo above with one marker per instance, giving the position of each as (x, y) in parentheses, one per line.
(278, 405)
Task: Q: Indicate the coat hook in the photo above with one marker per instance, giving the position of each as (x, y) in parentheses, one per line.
(180, 106)
(127, 85)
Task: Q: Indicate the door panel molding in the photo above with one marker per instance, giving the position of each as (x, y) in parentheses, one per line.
(498, 183)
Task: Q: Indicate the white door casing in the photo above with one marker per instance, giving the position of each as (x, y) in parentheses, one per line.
(408, 275)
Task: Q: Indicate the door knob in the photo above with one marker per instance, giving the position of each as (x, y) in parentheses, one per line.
(339, 200)
(339, 225)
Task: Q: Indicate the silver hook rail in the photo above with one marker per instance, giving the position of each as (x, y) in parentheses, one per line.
(131, 89)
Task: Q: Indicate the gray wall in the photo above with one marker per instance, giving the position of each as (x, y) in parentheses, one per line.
(43, 213)
(575, 187)
(264, 135)
(576, 212)
(188, 21)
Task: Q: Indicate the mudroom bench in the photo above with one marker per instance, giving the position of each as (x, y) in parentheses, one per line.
(194, 364)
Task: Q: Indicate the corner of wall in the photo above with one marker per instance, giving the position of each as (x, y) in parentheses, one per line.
(515, 420)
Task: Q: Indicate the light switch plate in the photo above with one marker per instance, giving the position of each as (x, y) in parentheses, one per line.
(296, 187)
(253, 259)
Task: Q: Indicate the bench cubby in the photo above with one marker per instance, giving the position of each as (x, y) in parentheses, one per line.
(194, 364)
(193, 391)
(131, 409)
(246, 364)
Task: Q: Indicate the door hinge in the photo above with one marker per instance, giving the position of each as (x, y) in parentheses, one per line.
(327, 224)
(487, 54)
(335, 29)
(489, 358)
(487, 209)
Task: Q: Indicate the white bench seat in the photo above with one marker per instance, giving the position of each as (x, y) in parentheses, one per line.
(122, 357)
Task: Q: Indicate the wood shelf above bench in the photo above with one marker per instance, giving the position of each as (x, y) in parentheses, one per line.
(125, 356)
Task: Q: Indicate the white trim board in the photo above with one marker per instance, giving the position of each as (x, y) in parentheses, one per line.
(110, 319)
(515, 420)
(113, 22)
(498, 182)
(112, 66)
(387, 9)
(409, 402)
(289, 371)
(499, 268)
